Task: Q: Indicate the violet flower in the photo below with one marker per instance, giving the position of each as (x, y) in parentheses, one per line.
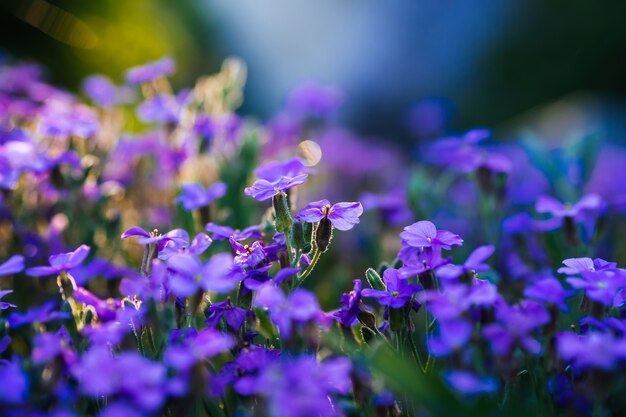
(550, 291)
(233, 316)
(61, 262)
(515, 326)
(219, 274)
(602, 286)
(179, 243)
(298, 307)
(248, 256)
(315, 100)
(150, 71)
(342, 216)
(194, 195)
(350, 305)
(417, 261)
(225, 232)
(42, 314)
(592, 350)
(473, 263)
(398, 293)
(470, 384)
(574, 266)
(101, 90)
(263, 190)
(272, 171)
(424, 234)
(13, 265)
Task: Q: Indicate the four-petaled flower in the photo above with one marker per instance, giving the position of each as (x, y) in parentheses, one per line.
(424, 234)
(398, 293)
(61, 262)
(343, 216)
(263, 190)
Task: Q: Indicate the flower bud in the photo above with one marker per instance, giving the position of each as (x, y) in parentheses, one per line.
(283, 220)
(297, 234)
(323, 234)
(374, 280)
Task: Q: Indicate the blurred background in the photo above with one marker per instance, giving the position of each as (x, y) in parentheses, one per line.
(399, 63)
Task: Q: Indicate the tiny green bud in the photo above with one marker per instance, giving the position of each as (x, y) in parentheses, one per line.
(283, 220)
(374, 280)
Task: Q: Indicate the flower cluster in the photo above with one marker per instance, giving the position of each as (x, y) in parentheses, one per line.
(147, 274)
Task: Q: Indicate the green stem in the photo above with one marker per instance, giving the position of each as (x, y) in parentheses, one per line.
(307, 272)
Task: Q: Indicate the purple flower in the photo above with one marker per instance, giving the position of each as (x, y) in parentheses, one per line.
(46, 346)
(547, 204)
(179, 243)
(418, 261)
(195, 195)
(454, 334)
(392, 206)
(473, 263)
(398, 292)
(302, 387)
(233, 316)
(464, 155)
(146, 238)
(104, 93)
(150, 71)
(248, 256)
(550, 291)
(225, 232)
(3, 304)
(263, 190)
(14, 382)
(272, 171)
(515, 326)
(602, 286)
(456, 299)
(105, 309)
(243, 372)
(592, 350)
(13, 265)
(424, 234)
(315, 100)
(129, 376)
(350, 305)
(299, 307)
(574, 266)
(163, 108)
(61, 262)
(219, 274)
(42, 314)
(470, 384)
(343, 216)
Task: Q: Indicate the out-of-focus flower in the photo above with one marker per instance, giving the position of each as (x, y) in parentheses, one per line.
(224, 232)
(314, 100)
(194, 195)
(101, 90)
(515, 326)
(470, 384)
(263, 190)
(299, 307)
(219, 274)
(42, 314)
(13, 265)
(14, 382)
(272, 171)
(61, 262)
(342, 216)
(151, 71)
(179, 242)
(574, 266)
(550, 291)
(603, 286)
(473, 263)
(393, 206)
(248, 256)
(592, 350)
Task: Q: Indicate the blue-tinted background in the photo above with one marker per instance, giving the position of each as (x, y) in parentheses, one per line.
(485, 62)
